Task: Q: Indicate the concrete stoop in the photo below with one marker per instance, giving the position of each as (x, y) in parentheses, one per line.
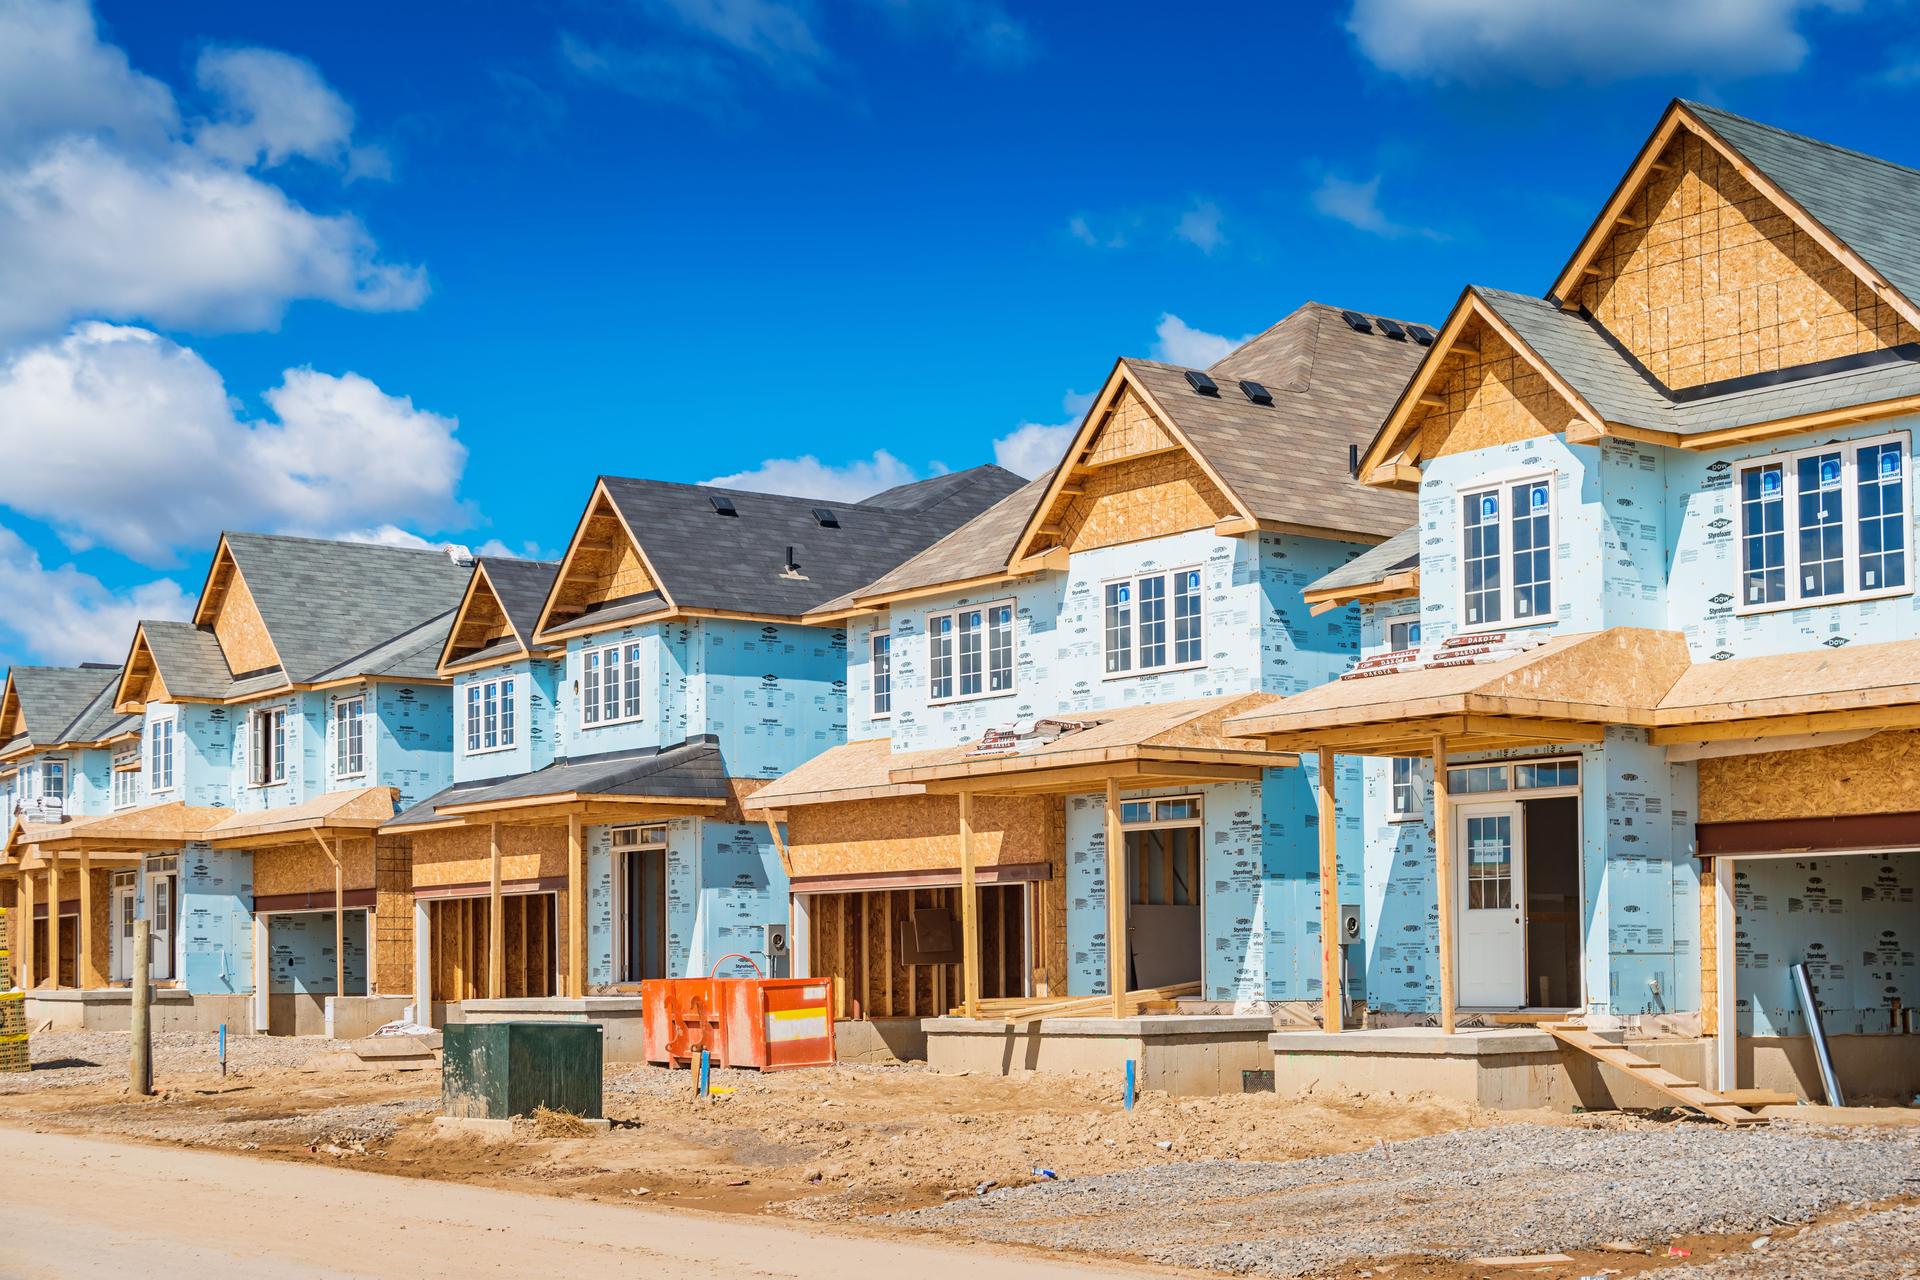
(111, 1009)
(1183, 1054)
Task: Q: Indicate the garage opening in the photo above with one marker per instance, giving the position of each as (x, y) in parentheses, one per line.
(896, 953)
(459, 941)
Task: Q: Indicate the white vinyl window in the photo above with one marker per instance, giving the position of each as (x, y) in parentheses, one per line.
(1506, 553)
(53, 780)
(611, 689)
(970, 652)
(268, 735)
(1403, 635)
(1823, 525)
(490, 715)
(126, 787)
(1152, 622)
(160, 755)
(1409, 789)
(881, 669)
(349, 737)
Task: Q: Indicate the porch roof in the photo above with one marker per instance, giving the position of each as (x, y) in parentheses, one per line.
(1482, 692)
(355, 812)
(1856, 686)
(615, 786)
(1166, 743)
(154, 826)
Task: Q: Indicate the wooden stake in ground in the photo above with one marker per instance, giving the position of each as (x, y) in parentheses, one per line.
(140, 1069)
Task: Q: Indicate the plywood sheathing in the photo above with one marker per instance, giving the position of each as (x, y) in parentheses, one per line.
(603, 563)
(857, 938)
(460, 855)
(917, 833)
(392, 914)
(1880, 774)
(1821, 680)
(1148, 497)
(1489, 393)
(306, 868)
(1130, 430)
(460, 932)
(140, 681)
(228, 604)
(1709, 279)
(482, 621)
(1709, 923)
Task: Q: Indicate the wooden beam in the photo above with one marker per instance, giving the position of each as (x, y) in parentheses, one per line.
(576, 910)
(1330, 1018)
(23, 941)
(969, 913)
(53, 921)
(1116, 901)
(496, 919)
(84, 970)
(1443, 874)
(1838, 720)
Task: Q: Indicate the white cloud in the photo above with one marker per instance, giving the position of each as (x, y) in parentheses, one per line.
(66, 616)
(1554, 42)
(774, 34)
(109, 207)
(808, 477)
(122, 437)
(1358, 205)
(1200, 226)
(982, 29)
(1177, 342)
(1033, 448)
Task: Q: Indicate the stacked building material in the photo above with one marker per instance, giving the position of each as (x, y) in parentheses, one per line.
(13, 1006)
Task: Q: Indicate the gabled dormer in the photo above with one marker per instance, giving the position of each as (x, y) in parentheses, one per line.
(506, 689)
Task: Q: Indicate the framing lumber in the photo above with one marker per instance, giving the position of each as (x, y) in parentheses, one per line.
(969, 913)
(576, 910)
(85, 972)
(1644, 1070)
(496, 919)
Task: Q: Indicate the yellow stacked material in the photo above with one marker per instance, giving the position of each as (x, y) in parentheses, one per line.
(13, 1031)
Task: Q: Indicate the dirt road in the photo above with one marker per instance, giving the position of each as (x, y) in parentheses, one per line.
(82, 1207)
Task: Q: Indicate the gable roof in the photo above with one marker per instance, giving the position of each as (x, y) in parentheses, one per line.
(49, 700)
(188, 659)
(521, 588)
(1376, 564)
(735, 564)
(979, 548)
(325, 603)
(517, 588)
(99, 720)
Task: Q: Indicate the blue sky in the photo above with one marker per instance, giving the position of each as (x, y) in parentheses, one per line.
(419, 272)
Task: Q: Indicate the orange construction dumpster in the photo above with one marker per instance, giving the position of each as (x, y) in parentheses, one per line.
(766, 1024)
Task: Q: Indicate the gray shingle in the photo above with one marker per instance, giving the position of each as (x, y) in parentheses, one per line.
(53, 698)
(1396, 555)
(977, 549)
(521, 587)
(190, 662)
(689, 770)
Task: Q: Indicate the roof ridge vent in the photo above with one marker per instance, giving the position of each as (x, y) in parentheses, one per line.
(1201, 383)
(1255, 392)
(825, 518)
(723, 505)
(1392, 329)
(1357, 322)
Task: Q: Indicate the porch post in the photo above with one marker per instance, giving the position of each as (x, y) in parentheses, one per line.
(340, 922)
(23, 936)
(1443, 872)
(496, 919)
(1726, 1044)
(1116, 902)
(422, 963)
(262, 975)
(53, 921)
(969, 914)
(84, 971)
(576, 910)
(1330, 1017)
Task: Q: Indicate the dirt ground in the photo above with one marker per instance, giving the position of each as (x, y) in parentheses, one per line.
(836, 1146)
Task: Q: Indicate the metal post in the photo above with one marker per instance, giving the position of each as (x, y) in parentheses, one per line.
(1810, 1009)
(140, 1069)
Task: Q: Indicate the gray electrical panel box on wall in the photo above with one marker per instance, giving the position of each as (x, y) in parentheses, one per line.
(779, 957)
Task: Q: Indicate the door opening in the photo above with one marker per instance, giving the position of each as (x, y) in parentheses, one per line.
(120, 930)
(1552, 842)
(163, 892)
(644, 876)
(1164, 925)
(1490, 968)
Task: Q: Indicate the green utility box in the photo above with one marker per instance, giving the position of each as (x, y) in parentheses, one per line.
(498, 1070)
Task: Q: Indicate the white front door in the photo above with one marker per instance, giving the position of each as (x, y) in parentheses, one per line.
(120, 936)
(1490, 890)
(161, 891)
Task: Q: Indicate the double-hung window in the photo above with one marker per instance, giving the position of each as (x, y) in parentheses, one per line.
(349, 737)
(126, 787)
(611, 689)
(490, 715)
(970, 652)
(1506, 553)
(53, 780)
(881, 669)
(1409, 786)
(1403, 635)
(160, 755)
(1152, 622)
(269, 740)
(1824, 524)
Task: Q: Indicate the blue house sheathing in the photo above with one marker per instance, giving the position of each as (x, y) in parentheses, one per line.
(1740, 536)
(1167, 482)
(695, 597)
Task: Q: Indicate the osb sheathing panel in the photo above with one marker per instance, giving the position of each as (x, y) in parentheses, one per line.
(1493, 397)
(1148, 497)
(1880, 774)
(1717, 282)
(1130, 429)
(240, 629)
(461, 855)
(483, 622)
(305, 868)
(393, 914)
(915, 833)
(1709, 952)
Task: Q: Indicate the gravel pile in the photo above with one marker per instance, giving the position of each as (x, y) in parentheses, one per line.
(1511, 1189)
(1883, 1245)
(63, 1058)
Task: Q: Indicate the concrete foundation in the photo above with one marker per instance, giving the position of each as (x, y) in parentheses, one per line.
(1173, 1053)
(880, 1040)
(1517, 1068)
(337, 1017)
(619, 1016)
(111, 1009)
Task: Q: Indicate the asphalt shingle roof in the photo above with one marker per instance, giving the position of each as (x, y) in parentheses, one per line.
(189, 660)
(521, 586)
(977, 549)
(326, 603)
(1397, 554)
(735, 563)
(52, 698)
(689, 770)
(98, 721)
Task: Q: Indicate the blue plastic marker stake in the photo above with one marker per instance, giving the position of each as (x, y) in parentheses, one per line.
(223, 1051)
(1129, 1084)
(706, 1067)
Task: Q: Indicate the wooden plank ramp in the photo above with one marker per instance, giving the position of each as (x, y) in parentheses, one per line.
(1687, 1092)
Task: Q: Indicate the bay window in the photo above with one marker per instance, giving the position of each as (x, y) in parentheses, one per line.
(1823, 524)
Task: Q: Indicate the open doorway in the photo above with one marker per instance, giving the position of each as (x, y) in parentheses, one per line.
(640, 879)
(1553, 901)
(1164, 922)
